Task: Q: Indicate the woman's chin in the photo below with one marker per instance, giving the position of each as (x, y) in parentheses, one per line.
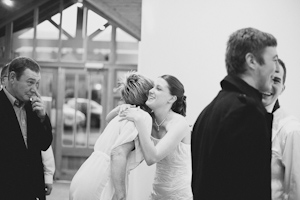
(149, 103)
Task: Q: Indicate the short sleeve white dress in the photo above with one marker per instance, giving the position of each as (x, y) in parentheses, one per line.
(173, 174)
(92, 181)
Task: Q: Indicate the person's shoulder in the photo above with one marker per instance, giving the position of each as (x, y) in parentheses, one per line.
(292, 125)
(180, 120)
(2, 94)
(146, 115)
(233, 100)
(179, 117)
(240, 102)
(116, 122)
(123, 124)
(285, 119)
(250, 104)
(242, 109)
(291, 130)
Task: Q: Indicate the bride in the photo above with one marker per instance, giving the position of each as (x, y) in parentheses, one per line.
(167, 143)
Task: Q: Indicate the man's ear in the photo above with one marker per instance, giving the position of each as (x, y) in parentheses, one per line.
(12, 76)
(283, 88)
(250, 60)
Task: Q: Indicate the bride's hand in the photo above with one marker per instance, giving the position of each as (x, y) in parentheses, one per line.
(124, 107)
(131, 114)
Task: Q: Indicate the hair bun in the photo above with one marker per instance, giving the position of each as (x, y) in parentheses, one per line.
(133, 78)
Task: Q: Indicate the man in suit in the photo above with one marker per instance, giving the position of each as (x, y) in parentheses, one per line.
(47, 156)
(231, 139)
(25, 132)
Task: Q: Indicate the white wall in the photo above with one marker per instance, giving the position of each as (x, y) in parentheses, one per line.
(187, 38)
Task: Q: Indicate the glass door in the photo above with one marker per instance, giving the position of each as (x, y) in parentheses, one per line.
(81, 118)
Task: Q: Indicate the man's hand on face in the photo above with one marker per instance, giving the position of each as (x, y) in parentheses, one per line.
(38, 105)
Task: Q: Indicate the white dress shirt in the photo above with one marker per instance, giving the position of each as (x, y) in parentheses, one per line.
(49, 165)
(285, 162)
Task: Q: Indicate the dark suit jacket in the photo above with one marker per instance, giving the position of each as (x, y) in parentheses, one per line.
(231, 146)
(21, 168)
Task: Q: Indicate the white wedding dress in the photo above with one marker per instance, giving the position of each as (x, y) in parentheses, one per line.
(173, 174)
(92, 181)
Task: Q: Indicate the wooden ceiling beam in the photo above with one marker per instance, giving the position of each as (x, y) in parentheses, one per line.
(57, 26)
(114, 17)
(21, 12)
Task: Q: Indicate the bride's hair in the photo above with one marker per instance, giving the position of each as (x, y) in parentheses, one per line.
(176, 88)
(134, 89)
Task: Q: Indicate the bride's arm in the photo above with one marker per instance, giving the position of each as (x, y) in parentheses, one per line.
(114, 112)
(177, 130)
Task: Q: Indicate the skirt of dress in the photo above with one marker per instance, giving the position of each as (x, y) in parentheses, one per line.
(92, 178)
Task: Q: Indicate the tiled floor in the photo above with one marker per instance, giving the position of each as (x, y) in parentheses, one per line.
(60, 191)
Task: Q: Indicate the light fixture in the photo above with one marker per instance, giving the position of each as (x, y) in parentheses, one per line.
(8, 3)
(102, 27)
(79, 3)
(97, 86)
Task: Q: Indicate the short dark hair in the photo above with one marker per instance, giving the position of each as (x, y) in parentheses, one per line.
(243, 41)
(4, 71)
(176, 88)
(20, 64)
(281, 63)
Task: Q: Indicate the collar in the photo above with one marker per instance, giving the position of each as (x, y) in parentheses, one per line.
(276, 106)
(232, 82)
(270, 107)
(13, 100)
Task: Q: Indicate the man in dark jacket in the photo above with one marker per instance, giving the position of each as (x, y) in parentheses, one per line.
(231, 139)
(25, 131)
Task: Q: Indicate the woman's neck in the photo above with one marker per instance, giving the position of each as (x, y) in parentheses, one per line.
(161, 115)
